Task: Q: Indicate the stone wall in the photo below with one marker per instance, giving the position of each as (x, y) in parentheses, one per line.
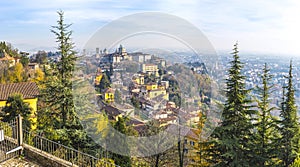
(44, 158)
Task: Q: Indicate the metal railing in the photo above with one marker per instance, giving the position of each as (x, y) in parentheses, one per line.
(10, 142)
(62, 152)
(15, 136)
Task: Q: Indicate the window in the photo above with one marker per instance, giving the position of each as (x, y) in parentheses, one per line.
(192, 143)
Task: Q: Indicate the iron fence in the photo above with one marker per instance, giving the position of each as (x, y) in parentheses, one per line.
(9, 142)
(62, 152)
(16, 136)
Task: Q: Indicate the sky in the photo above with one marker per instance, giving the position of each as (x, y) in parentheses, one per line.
(266, 27)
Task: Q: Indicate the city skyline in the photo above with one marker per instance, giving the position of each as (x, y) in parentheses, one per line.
(260, 27)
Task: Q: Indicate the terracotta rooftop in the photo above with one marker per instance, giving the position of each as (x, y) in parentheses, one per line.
(29, 90)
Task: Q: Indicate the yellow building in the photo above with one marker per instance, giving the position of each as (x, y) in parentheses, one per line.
(29, 91)
(151, 86)
(139, 79)
(150, 69)
(157, 92)
(109, 95)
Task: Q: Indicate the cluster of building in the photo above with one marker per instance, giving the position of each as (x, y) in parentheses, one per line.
(147, 87)
(144, 95)
(5, 58)
(120, 54)
(279, 67)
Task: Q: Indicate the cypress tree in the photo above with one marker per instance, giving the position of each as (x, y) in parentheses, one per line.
(230, 140)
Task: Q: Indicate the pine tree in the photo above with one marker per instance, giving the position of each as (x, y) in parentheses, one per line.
(57, 117)
(266, 131)
(230, 140)
(289, 127)
(65, 68)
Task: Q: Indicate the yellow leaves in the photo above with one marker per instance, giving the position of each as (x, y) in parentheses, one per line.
(99, 122)
(18, 72)
(105, 162)
(39, 77)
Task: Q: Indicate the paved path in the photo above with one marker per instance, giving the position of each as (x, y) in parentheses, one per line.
(17, 162)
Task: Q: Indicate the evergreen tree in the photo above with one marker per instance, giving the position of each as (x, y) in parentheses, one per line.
(65, 68)
(15, 106)
(104, 83)
(57, 118)
(289, 127)
(231, 139)
(111, 69)
(41, 57)
(24, 60)
(266, 131)
(9, 49)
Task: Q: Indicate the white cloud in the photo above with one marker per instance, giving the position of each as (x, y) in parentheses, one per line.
(262, 26)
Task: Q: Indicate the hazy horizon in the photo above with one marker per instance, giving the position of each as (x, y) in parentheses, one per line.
(260, 27)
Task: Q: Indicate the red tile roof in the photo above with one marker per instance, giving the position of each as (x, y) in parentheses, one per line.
(29, 90)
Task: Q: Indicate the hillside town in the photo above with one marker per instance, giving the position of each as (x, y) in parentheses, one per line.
(149, 83)
(137, 86)
(148, 89)
(142, 90)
